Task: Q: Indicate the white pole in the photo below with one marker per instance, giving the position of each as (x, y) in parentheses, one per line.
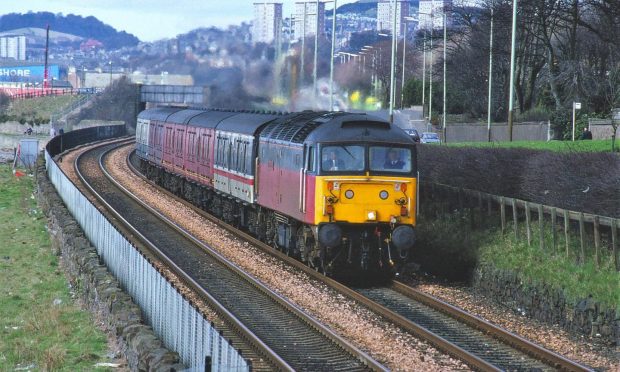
(573, 121)
(430, 75)
(445, 39)
(303, 46)
(393, 63)
(490, 78)
(512, 69)
(331, 67)
(402, 83)
(316, 51)
(423, 71)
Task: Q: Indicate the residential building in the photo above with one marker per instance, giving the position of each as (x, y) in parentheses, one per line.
(267, 22)
(310, 17)
(13, 47)
(431, 13)
(385, 16)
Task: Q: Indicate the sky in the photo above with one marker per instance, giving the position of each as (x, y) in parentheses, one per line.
(151, 20)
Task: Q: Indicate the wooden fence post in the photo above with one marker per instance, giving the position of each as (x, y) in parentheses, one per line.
(502, 213)
(614, 243)
(597, 242)
(554, 218)
(489, 205)
(566, 232)
(514, 217)
(582, 233)
(541, 225)
(528, 228)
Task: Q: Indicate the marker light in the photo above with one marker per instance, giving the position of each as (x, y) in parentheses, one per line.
(403, 187)
(384, 194)
(349, 194)
(371, 215)
(330, 185)
(403, 210)
(329, 209)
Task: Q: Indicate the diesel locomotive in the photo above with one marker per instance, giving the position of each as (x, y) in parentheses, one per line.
(337, 190)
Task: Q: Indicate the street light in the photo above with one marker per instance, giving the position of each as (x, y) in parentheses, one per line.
(393, 62)
(512, 69)
(445, 40)
(331, 67)
(316, 51)
(490, 77)
(402, 87)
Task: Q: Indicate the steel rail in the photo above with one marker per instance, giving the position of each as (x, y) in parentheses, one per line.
(509, 338)
(283, 302)
(245, 334)
(514, 341)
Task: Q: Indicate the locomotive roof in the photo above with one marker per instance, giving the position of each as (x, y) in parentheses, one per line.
(158, 113)
(348, 127)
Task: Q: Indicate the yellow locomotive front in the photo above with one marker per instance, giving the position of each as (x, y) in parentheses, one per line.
(366, 202)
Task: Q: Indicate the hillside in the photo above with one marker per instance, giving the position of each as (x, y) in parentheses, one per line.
(366, 7)
(85, 27)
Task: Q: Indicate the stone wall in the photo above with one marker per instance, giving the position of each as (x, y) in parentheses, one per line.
(545, 303)
(99, 290)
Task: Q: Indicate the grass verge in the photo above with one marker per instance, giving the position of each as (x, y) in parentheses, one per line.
(39, 108)
(560, 146)
(41, 328)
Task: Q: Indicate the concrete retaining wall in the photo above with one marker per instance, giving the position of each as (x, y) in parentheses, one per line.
(99, 289)
(550, 305)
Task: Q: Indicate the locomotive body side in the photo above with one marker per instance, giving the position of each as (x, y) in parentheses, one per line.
(267, 174)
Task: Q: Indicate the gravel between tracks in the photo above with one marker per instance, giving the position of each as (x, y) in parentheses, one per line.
(368, 331)
(551, 337)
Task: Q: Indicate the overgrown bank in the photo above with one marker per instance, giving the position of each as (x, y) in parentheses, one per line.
(466, 243)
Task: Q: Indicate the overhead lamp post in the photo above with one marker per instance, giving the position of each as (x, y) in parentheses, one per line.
(331, 67)
(512, 69)
(423, 71)
(430, 75)
(490, 78)
(402, 84)
(445, 40)
(316, 52)
(393, 62)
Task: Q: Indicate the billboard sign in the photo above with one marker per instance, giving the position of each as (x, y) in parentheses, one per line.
(28, 74)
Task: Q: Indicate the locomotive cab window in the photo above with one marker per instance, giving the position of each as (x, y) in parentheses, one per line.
(342, 158)
(390, 159)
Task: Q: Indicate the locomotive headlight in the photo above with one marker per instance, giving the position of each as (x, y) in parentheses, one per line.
(371, 215)
(349, 194)
(384, 194)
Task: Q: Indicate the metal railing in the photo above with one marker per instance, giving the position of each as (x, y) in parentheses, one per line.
(181, 326)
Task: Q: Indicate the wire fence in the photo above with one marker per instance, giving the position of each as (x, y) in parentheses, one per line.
(180, 325)
(597, 236)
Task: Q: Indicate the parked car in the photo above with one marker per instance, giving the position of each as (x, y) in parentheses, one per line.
(429, 137)
(413, 133)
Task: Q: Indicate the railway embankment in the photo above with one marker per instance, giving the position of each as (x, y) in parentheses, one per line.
(533, 230)
(99, 290)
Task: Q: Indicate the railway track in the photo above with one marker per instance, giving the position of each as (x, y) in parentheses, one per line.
(478, 343)
(271, 332)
